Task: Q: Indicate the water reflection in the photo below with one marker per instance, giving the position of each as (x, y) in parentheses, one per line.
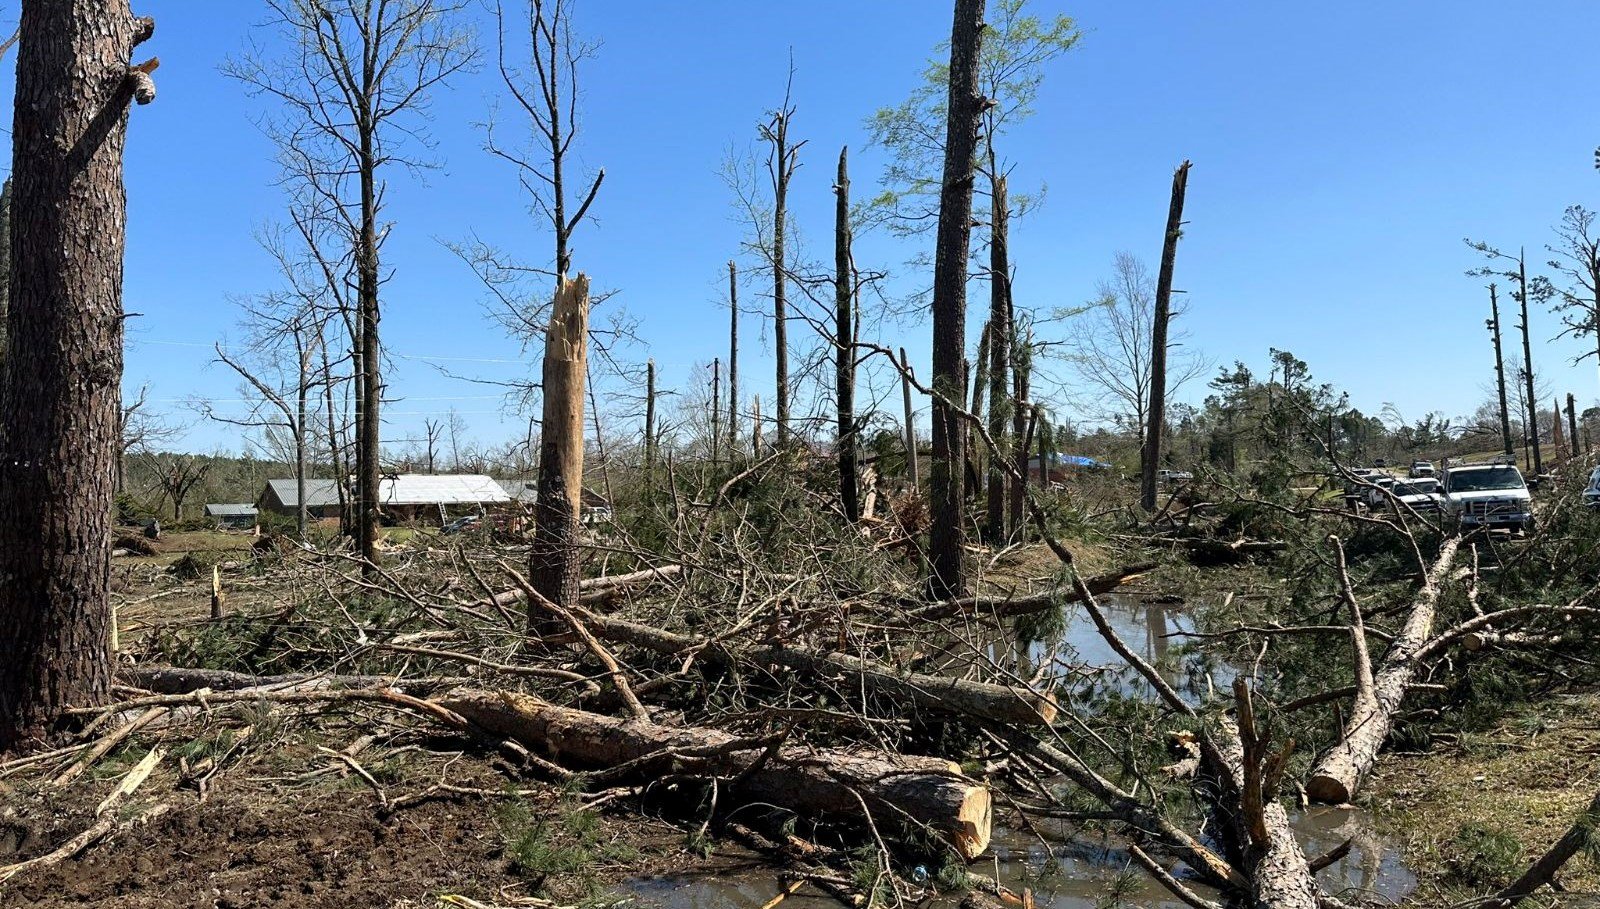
(1071, 868)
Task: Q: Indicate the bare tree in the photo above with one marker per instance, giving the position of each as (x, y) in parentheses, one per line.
(1493, 324)
(432, 431)
(354, 82)
(60, 406)
(733, 360)
(1108, 347)
(951, 247)
(782, 161)
(175, 476)
(1577, 260)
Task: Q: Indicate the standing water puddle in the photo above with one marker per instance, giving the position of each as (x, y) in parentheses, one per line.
(1079, 870)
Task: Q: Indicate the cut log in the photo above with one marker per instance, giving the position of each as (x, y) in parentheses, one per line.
(1024, 605)
(1339, 772)
(933, 692)
(806, 780)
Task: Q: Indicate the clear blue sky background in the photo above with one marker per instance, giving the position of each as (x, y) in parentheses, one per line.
(1340, 156)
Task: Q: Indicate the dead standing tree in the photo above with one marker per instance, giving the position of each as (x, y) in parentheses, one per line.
(60, 406)
(1538, 288)
(782, 162)
(1158, 340)
(553, 561)
(1493, 324)
(357, 71)
(951, 246)
(844, 343)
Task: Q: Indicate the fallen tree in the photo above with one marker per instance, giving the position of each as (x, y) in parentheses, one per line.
(927, 791)
(1021, 705)
(1341, 768)
(1024, 605)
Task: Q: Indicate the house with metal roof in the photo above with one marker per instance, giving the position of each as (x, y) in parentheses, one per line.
(402, 497)
(238, 516)
(282, 497)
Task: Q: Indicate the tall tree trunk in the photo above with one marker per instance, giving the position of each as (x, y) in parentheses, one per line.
(553, 560)
(649, 416)
(61, 404)
(913, 469)
(368, 426)
(1000, 345)
(845, 355)
(1500, 371)
(733, 361)
(1158, 340)
(780, 276)
(1527, 366)
(951, 246)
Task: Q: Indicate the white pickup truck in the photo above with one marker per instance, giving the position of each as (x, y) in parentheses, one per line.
(1488, 495)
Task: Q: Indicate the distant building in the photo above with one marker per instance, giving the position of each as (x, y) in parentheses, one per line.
(402, 497)
(282, 497)
(595, 507)
(233, 517)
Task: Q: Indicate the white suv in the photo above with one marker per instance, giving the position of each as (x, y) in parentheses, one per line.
(1488, 495)
(1591, 493)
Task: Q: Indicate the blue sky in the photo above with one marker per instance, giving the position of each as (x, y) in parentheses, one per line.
(1340, 156)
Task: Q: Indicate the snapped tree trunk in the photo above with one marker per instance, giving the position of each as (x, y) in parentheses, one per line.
(1339, 772)
(1500, 372)
(553, 560)
(369, 428)
(1572, 425)
(733, 361)
(913, 470)
(1527, 365)
(803, 779)
(1000, 345)
(649, 416)
(845, 343)
(61, 403)
(1158, 340)
(951, 246)
(1022, 419)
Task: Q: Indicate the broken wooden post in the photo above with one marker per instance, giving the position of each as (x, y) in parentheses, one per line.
(216, 592)
(553, 560)
(911, 426)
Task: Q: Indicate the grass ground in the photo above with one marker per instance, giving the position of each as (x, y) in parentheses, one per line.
(1472, 814)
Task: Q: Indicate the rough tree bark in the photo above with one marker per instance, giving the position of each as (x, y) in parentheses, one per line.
(553, 561)
(951, 246)
(1000, 345)
(1158, 340)
(1500, 371)
(61, 405)
(1339, 771)
(844, 342)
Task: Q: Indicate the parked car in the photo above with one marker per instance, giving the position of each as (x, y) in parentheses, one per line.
(1173, 476)
(1420, 494)
(1378, 492)
(1488, 495)
(1380, 463)
(1591, 492)
(1421, 469)
(463, 525)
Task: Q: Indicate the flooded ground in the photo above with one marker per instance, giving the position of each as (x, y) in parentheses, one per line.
(1072, 869)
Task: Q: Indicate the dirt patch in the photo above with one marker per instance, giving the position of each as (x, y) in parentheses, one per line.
(1473, 814)
(270, 837)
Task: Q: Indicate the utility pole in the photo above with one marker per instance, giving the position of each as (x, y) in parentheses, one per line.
(1499, 369)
